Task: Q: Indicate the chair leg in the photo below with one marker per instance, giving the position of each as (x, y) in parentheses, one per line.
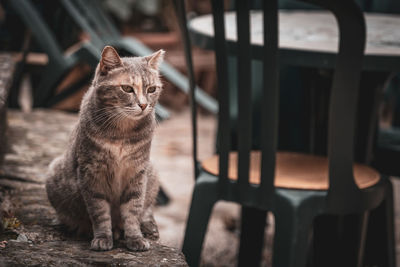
(293, 224)
(203, 200)
(339, 239)
(390, 231)
(251, 236)
(362, 238)
(380, 243)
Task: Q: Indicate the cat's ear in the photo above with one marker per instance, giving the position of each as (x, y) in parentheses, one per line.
(155, 59)
(109, 60)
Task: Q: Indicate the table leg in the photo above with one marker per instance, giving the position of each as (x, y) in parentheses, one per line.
(370, 98)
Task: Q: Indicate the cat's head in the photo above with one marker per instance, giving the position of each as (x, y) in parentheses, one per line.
(128, 85)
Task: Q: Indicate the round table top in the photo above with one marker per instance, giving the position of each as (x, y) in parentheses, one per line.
(310, 38)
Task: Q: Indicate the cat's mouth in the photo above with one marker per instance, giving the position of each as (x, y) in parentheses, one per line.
(145, 112)
(137, 114)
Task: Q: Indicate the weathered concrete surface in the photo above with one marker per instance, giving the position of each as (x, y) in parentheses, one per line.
(77, 253)
(33, 236)
(42, 241)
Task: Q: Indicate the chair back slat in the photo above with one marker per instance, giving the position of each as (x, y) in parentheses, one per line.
(270, 97)
(100, 19)
(79, 16)
(244, 125)
(88, 9)
(90, 16)
(343, 106)
(343, 191)
(244, 91)
(180, 10)
(40, 30)
(223, 91)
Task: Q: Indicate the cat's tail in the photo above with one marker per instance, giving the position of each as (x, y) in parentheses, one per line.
(54, 166)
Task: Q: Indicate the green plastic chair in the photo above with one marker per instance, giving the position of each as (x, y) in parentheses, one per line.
(60, 63)
(295, 205)
(89, 15)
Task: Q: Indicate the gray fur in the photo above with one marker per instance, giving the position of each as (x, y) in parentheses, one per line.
(104, 183)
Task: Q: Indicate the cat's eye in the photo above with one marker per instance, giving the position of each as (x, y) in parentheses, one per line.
(151, 89)
(127, 88)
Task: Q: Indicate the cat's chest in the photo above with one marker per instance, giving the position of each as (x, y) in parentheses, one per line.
(118, 151)
(121, 159)
(119, 165)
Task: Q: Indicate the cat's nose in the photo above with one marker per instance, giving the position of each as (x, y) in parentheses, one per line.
(143, 106)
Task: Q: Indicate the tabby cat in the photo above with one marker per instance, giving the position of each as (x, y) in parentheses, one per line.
(104, 183)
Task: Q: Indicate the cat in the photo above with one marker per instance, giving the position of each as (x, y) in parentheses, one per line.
(104, 183)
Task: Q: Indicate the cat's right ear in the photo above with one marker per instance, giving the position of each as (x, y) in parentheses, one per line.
(109, 60)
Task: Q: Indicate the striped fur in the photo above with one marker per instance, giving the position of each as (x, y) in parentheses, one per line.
(104, 183)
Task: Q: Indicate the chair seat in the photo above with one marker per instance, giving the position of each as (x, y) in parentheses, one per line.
(294, 170)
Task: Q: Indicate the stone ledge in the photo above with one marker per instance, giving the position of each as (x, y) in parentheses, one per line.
(77, 253)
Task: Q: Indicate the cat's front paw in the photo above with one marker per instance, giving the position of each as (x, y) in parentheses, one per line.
(150, 230)
(138, 244)
(102, 243)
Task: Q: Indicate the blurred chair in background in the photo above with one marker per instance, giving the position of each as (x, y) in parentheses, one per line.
(294, 187)
(59, 62)
(89, 15)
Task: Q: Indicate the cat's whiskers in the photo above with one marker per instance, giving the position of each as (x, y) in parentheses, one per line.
(122, 119)
(105, 120)
(114, 120)
(98, 117)
(108, 123)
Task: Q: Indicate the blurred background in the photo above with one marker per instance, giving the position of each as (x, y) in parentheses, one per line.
(153, 23)
(48, 52)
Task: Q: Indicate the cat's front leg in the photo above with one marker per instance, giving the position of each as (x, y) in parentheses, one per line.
(99, 210)
(132, 201)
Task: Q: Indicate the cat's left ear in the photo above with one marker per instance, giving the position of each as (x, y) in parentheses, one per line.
(109, 60)
(155, 59)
